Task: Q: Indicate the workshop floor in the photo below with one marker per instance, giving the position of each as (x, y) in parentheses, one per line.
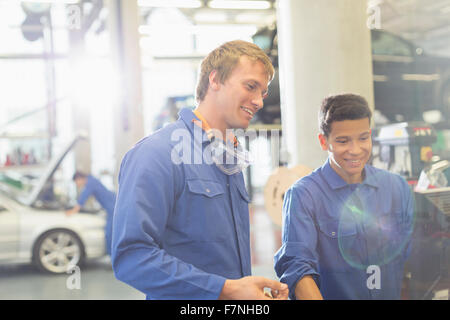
(265, 239)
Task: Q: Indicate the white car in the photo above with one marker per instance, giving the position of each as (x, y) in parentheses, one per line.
(34, 230)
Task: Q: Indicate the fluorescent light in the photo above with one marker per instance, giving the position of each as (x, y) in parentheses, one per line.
(421, 77)
(52, 1)
(238, 4)
(258, 18)
(210, 16)
(197, 29)
(171, 3)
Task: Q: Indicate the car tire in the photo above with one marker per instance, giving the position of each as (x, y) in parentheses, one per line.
(58, 251)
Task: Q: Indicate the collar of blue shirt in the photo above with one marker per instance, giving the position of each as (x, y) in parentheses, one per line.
(187, 116)
(336, 182)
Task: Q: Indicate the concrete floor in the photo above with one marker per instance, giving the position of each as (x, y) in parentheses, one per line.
(97, 281)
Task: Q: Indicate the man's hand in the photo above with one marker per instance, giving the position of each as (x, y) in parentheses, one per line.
(73, 210)
(252, 288)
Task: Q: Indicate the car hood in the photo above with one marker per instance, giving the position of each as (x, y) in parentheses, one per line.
(60, 219)
(31, 198)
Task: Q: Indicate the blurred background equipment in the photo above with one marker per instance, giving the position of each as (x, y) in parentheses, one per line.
(32, 26)
(277, 185)
(407, 149)
(407, 81)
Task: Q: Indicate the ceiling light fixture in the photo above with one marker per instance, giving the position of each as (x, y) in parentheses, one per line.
(198, 29)
(52, 1)
(241, 4)
(171, 3)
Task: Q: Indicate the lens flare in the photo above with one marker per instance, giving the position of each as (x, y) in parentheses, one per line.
(370, 236)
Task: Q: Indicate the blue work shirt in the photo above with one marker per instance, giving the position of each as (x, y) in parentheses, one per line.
(353, 239)
(107, 200)
(105, 197)
(181, 226)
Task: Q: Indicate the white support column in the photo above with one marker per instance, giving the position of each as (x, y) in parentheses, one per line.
(123, 23)
(324, 48)
(80, 105)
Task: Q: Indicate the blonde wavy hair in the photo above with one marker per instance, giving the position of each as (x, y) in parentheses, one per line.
(224, 59)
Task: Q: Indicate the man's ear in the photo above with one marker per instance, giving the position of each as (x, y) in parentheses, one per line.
(323, 141)
(214, 82)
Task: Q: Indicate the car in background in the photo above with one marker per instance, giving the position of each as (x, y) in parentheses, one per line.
(34, 227)
(407, 81)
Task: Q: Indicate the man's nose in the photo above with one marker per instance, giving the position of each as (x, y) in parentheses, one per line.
(355, 148)
(258, 101)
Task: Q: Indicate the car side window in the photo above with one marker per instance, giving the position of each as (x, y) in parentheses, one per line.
(388, 44)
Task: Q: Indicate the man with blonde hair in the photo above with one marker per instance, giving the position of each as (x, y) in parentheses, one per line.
(181, 226)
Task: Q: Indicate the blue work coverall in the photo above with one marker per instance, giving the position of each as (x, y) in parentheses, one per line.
(347, 235)
(105, 198)
(181, 226)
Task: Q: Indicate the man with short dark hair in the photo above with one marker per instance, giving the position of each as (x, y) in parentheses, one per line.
(90, 186)
(347, 225)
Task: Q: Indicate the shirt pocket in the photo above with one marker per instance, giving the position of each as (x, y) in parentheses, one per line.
(206, 211)
(209, 189)
(338, 245)
(333, 229)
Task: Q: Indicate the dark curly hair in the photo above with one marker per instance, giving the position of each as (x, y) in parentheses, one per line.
(342, 107)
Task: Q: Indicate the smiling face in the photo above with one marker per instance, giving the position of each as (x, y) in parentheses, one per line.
(241, 95)
(349, 145)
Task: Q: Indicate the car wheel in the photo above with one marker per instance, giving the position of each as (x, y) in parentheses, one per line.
(58, 251)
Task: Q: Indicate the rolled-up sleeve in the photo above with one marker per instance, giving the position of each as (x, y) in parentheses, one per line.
(297, 256)
(148, 183)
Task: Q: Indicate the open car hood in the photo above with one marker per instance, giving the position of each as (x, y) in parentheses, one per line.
(53, 165)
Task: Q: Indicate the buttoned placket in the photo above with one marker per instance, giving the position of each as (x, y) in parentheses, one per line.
(236, 218)
(357, 201)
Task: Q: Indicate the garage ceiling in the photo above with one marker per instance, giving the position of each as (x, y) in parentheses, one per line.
(425, 22)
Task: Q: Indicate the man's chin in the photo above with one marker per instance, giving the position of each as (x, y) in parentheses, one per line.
(348, 173)
(242, 125)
